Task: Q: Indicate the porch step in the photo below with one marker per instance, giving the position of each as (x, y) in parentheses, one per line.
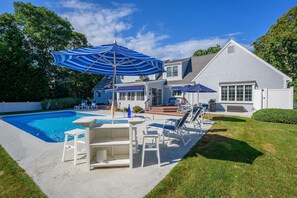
(104, 107)
(164, 109)
(164, 113)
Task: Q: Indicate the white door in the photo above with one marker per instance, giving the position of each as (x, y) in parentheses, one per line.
(258, 99)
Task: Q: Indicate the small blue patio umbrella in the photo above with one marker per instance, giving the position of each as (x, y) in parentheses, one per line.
(197, 88)
(110, 59)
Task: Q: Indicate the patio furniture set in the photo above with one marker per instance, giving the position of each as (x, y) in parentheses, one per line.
(113, 144)
(85, 106)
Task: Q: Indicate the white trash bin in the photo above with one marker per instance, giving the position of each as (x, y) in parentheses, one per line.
(101, 156)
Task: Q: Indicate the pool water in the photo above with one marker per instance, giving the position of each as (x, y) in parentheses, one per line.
(49, 127)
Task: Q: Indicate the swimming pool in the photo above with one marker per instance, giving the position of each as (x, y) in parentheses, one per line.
(49, 127)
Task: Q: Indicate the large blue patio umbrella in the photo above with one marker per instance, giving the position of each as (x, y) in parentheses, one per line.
(110, 59)
(197, 88)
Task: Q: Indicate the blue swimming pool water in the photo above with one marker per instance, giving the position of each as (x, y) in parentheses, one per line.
(49, 127)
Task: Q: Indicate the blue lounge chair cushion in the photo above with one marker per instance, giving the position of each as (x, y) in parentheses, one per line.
(166, 126)
(169, 127)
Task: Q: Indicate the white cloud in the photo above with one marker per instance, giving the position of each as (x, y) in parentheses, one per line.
(103, 25)
(148, 43)
(233, 34)
(100, 25)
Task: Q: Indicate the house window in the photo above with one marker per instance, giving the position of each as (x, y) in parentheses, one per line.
(231, 93)
(98, 94)
(140, 95)
(172, 71)
(169, 71)
(177, 93)
(224, 93)
(122, 96)
(248, 93)
(238, 93)
(131, 96)
(230, 49)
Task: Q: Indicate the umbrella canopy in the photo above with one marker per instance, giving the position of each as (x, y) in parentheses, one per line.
(196, 88)
(110, 59)
(103, 60)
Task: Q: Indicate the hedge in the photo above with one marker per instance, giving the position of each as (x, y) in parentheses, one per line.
(137, 109)
(287, 116)
(60, 103)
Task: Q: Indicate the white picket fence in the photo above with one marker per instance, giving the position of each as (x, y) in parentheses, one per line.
(273, 98)
(19, 106)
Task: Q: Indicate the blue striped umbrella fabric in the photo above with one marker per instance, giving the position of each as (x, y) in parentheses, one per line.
(107, 59)
(110, 59)
(196, 88)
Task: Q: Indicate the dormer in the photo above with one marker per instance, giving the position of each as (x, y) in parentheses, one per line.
(175, 69)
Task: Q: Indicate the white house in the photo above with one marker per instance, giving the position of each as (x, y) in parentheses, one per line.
(239, 77)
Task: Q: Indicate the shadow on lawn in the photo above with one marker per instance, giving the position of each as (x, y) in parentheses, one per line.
(228, 119)
(213, 146)
(216, 130)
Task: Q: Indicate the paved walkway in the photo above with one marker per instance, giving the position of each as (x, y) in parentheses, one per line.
(42, 161)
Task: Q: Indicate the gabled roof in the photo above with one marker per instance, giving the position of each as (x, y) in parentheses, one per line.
(175, 61)
(195, 65)
(247, 51)
(104, 83)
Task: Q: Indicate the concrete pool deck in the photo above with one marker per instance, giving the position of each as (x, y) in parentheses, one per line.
(42, 161)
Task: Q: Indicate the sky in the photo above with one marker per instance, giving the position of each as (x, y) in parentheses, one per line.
(167, 29)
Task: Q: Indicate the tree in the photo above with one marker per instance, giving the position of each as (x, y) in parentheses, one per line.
(45, 32)
(19, 80)
(210, 50)
(279, 45)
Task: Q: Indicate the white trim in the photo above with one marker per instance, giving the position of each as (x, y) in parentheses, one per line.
(235, 101)
(249, 52)
(138, 83)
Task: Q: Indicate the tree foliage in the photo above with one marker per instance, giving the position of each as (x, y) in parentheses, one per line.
(279, 45)
(26, 40)
(210, 50)
(19, 80)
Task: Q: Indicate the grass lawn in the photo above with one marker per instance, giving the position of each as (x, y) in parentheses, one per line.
(238, 157)
(14, 182)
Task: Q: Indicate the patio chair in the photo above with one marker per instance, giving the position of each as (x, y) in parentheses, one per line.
(195, 119)
(84, 104)
(204, 111)
(178, 128)
(153, 145)
(93, 105)
(172, 102)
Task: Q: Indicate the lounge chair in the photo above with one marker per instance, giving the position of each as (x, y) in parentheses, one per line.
(195, 119)
(178, 128)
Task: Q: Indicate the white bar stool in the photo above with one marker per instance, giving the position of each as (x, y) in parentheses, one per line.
(135, 140)
(153, 146)
(75, 133)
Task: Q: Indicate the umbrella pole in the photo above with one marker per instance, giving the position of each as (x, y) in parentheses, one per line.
(112, 103)
(113, 82)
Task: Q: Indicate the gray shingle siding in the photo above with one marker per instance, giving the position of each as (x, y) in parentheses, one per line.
(195, 65)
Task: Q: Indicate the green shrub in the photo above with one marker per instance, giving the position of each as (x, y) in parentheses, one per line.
(118, 109)
(60, 103)
(287, 116)
(137, 109)
(125, 109)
